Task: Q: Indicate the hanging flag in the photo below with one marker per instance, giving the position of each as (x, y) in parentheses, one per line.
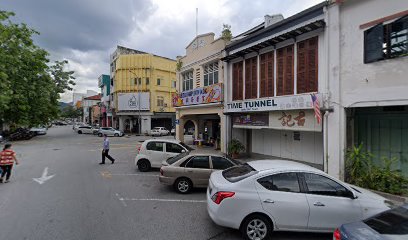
(316, 108)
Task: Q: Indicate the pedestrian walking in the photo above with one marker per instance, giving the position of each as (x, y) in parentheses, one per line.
(105, 151)
(7, 159)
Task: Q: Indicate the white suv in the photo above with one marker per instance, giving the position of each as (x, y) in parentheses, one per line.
(110, 132)
(153, 152)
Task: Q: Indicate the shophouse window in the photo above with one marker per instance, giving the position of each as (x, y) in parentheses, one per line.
(307, 65)
(211, 74)
(266, 74)
(237, 81)
(158, 81)
(251, 75)
(173, 84)
(284, 71)
(188, 81)
(147, 81)
(385, 41)
(160, 101)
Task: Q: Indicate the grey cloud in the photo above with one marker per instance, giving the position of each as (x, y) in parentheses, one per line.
(79, 24)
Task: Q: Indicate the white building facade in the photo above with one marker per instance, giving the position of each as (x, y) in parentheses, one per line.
(368, 80)
(271, 72)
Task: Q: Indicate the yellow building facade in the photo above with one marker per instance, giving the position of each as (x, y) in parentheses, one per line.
(143, 85)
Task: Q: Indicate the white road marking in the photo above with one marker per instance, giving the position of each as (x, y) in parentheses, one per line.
(133, 174)
(44, 177)
(161, 200)
(123, 202)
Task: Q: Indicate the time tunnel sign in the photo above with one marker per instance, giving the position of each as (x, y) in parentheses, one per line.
(271, 104)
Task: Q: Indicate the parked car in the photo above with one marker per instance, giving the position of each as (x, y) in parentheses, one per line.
(1, 138)
(153, 152)
(389, 225)
(159, 131)
(173, 131)
(84, 130)
(110, 131)
(276, 195)
(21, 134)
(40, 130)
(187, 170)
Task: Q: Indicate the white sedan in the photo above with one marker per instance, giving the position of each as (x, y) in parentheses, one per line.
(159, 131)
(276, 195)
(110, 132)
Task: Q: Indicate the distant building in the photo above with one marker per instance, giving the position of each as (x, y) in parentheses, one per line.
(88, 104)
(142, 86)
(199, 95)
(106, 109)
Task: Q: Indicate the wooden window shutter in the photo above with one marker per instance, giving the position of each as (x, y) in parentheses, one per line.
(285, 64)
(307, 66)
(237, 84)
(279, 71)
(266, 75)
(373, 44)
(251, 84)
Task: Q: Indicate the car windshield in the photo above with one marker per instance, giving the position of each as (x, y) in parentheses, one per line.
(186, 146)
(238, 173)
(392, 222)
(177, 157)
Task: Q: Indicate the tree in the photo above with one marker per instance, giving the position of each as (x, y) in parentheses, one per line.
(226, 32)
(29, 88)
(71, 112)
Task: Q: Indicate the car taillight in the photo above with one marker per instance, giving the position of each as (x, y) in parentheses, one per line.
(219, 196)
(161, 171)
(337, 234)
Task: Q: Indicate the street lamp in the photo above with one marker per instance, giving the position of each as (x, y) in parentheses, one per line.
(137, 83)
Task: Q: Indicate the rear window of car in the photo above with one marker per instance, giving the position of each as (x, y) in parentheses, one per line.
(393, 222)
(176, 158)
(186, 146)
(238, 173)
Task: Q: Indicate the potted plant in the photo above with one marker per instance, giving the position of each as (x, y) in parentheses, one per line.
(235, 147)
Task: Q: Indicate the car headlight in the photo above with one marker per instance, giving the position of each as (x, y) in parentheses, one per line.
(389, 203)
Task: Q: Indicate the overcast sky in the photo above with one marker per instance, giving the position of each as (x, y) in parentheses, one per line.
(86, 32)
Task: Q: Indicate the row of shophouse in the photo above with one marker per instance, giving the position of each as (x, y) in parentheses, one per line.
(257, 88)
(351, 56)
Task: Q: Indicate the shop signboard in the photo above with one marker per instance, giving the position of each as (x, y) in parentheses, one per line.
(251, 119)
(201, 95)
(296, 120)
(130, 101)
(303, 101)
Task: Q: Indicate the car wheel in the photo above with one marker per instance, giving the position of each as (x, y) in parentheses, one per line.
(256, 227)
(79, 132)
(116, 135)
(143, 165)
(183, 185)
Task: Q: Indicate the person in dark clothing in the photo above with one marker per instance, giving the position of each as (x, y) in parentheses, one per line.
(105, 151)
(7, 159)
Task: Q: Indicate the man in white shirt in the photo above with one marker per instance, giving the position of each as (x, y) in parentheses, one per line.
(105, 151)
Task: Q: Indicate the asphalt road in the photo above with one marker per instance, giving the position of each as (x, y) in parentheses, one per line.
(84, 200)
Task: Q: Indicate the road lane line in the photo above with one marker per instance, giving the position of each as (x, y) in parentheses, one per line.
(162, 200)
(107, 174)
(121, 199)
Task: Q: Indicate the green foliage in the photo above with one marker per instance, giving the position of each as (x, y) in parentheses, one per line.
(71, 112)
(179, 65)
(235, 147)
(226, 33)
(362, 171)
(29, 87)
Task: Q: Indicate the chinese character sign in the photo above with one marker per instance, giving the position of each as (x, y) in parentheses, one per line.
(203, 95)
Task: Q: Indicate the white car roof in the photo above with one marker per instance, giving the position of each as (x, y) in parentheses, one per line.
(278, 164)
(162, 140)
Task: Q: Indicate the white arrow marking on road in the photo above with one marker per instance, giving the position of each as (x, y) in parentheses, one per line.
(44, 177)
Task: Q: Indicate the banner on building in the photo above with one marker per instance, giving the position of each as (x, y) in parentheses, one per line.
(132, 101)
(271, 104)
(251, 119)
(202, 95)
(296, 120)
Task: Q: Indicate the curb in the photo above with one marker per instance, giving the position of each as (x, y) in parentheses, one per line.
(392, 197)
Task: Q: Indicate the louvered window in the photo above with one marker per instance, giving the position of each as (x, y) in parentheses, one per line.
(198, 77)
(211, 74)
(307, 66)
(266, 74)
(284, 71)
(188, 81)
(237, 81)
(251, 85)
